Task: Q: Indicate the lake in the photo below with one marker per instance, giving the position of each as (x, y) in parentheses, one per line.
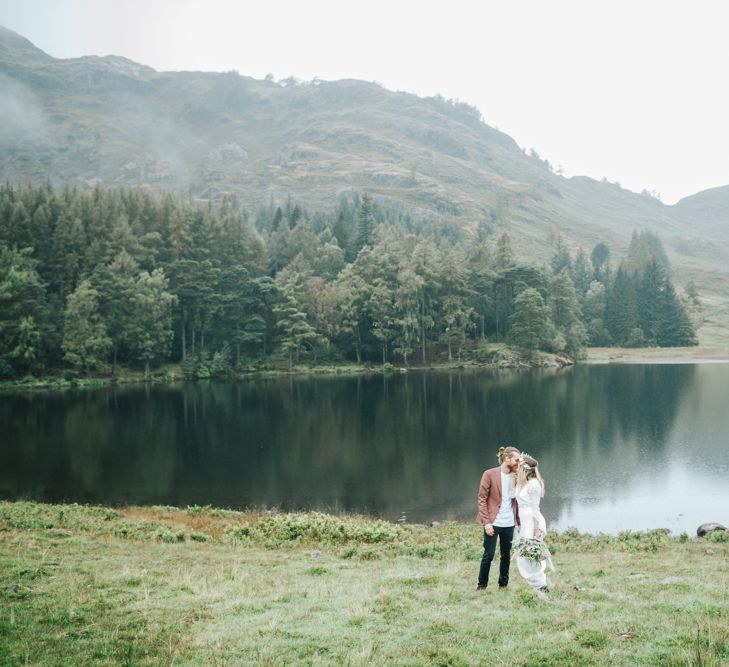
(620, 446)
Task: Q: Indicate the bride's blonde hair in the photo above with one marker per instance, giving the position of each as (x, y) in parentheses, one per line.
(528, 469)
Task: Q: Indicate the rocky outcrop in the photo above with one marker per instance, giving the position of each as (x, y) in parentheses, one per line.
(705, 528)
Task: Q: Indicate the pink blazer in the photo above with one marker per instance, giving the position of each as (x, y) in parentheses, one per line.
(489, 497)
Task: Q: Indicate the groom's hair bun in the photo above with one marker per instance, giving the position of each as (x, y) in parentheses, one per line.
(506, 451)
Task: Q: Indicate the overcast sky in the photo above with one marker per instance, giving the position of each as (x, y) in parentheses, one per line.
(632, 91)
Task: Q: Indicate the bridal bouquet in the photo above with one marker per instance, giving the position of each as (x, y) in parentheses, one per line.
(532, 549)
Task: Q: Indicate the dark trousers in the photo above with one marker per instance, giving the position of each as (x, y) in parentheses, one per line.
(505, 536)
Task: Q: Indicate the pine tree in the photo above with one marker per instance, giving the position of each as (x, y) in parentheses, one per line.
(381, 309)
(407, 304)
(593, 310)
(239, 321)
(19, 228)
(151, 335)
(122, 239)
(277, 218)
(649, 288)
(581, 277)
(116, 287)
(504, 254)
(42, 235)
(293, 328)
(351, 293)
(600, 258)
(365, 222)
(506, 287)
(530, 324)
(646, 248)
(479, 280)
(25, 332)
(67, 253)
(565, 313)
(560, 258)
(456, 317)
(427, 263)
(296, 215)
(685, 333)
(341, 231)
(621, 313)
(674, 327)
(85, 342)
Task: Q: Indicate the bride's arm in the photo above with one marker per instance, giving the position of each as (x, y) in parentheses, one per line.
(535, 497)
(534, 491)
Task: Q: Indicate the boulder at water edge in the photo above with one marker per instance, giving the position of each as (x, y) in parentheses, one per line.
(708, 528)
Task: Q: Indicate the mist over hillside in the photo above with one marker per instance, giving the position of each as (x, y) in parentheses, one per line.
(110, 121)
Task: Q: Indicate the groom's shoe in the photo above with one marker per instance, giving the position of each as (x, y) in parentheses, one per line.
(481, 587)
(503, 584)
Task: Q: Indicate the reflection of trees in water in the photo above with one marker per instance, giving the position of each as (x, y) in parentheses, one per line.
(428, 436)
(422, 440)
(86, 424)
(98, 446)
(609, 420)
(620, 422)
(29, 448)
(415, 442)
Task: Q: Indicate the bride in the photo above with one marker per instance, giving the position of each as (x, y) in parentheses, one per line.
(528, 492)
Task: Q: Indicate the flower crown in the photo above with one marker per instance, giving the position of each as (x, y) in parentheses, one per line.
(523, 463)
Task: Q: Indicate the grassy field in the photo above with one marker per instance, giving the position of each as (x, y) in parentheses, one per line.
(161, 586)
(656, 355)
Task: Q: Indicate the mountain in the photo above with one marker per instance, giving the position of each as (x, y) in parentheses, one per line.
(110, 121)
(709, 208)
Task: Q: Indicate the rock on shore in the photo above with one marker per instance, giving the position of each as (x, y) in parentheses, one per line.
(705, 528)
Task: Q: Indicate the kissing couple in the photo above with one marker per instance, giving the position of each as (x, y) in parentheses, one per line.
(508, 501)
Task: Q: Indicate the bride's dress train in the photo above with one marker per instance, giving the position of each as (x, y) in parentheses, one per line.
(531, 518)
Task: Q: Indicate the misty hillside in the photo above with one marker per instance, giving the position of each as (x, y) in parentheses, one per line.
(110, 121)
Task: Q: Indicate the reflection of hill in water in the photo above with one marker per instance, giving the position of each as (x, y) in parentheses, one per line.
(415, 443)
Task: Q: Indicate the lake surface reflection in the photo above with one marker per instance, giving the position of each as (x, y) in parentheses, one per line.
(621, 446)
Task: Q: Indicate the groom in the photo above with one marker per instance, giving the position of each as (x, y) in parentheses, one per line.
(498, 514)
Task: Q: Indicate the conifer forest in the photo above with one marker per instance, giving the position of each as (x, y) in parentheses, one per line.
(94, 279)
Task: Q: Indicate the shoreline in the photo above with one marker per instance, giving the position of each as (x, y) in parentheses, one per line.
(502, 357)
(178, 516)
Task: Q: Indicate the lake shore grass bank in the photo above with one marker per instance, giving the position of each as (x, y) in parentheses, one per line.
(656, 355)
(493, 356)
(496, 356)
(84, 585)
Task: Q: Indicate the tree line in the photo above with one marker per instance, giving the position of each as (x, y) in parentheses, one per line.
(91, 279)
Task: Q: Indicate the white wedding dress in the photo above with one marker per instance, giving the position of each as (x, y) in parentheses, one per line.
(531, 518)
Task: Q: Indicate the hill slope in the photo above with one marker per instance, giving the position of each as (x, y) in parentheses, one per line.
(109, 120)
